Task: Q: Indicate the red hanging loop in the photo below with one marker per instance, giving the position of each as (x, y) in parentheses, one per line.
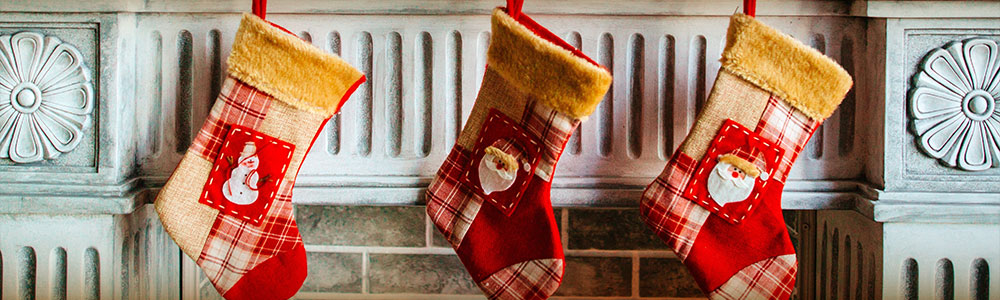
(260, 8)
(750, 7)
(514, 8)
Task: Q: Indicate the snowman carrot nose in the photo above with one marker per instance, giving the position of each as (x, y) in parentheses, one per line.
(742, 164)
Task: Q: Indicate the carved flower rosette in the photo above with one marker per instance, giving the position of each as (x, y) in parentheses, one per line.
(953, 104)
(46, 97)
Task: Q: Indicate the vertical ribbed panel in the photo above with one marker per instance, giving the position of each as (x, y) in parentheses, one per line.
(28, 266)
(214, 51)
(635, 70)
(453, 88)
(980, 283)
(665, 86)
(423, 93)
(944, 280)
(184, 92)
(606, 109)
(394, 94)
(697, 81)
(910, 275)
(363, 97)
(57, 273)
(92, 274)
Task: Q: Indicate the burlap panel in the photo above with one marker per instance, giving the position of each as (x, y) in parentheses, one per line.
(292, 125)
(496, 93)
(731, 98)
(187, 221)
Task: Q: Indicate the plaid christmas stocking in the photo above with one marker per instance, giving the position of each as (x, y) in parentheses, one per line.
(490, 199)
(717, 204)
(228, 204)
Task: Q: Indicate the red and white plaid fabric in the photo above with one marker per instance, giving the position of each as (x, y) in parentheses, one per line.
(242, 105)
(789, 128)
(673, 218)
(534, 279)
(449, 204)
(235, 246)
(771, 278)
(554, 129)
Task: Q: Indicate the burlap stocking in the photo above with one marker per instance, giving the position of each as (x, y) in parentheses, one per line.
(228, 204)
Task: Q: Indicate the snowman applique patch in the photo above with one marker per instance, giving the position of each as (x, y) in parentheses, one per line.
(734, 173)
(245, 177)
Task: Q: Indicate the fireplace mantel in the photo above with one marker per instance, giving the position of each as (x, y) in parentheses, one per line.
(154, 67)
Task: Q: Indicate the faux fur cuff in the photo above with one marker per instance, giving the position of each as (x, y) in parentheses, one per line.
(291, 69)
(539, 63)
(776, 62)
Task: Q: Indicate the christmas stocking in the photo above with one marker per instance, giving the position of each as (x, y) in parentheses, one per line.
(228, 204)
(490, 199)
(717, 204)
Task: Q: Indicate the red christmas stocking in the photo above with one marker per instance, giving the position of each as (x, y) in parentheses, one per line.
(717, 204)
(490, 199)
(228, 204)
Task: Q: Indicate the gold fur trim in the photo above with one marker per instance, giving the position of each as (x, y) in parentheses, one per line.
(289, 68)
(509, 162)
(802, 76)
(742, 164)
(548, 72)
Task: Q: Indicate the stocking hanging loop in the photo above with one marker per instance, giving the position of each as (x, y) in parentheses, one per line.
(514, 8)
(750, 7)
(259, 8)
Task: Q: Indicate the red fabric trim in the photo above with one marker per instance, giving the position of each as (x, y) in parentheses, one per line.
(525, 20)
(722, 249)
(514, 8)
(259, 8)
(495, 241)
(750, 7)
(279, 277)
(350, 91)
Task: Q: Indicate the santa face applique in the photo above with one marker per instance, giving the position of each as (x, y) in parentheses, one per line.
(734, 172)
(245, 177)
(497, 170)
(733, 179)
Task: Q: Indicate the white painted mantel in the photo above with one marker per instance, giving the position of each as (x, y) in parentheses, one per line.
(155, 66)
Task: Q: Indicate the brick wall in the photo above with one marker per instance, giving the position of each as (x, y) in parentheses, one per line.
(393, 252)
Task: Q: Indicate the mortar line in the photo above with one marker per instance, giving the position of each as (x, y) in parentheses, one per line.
(365, 273)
